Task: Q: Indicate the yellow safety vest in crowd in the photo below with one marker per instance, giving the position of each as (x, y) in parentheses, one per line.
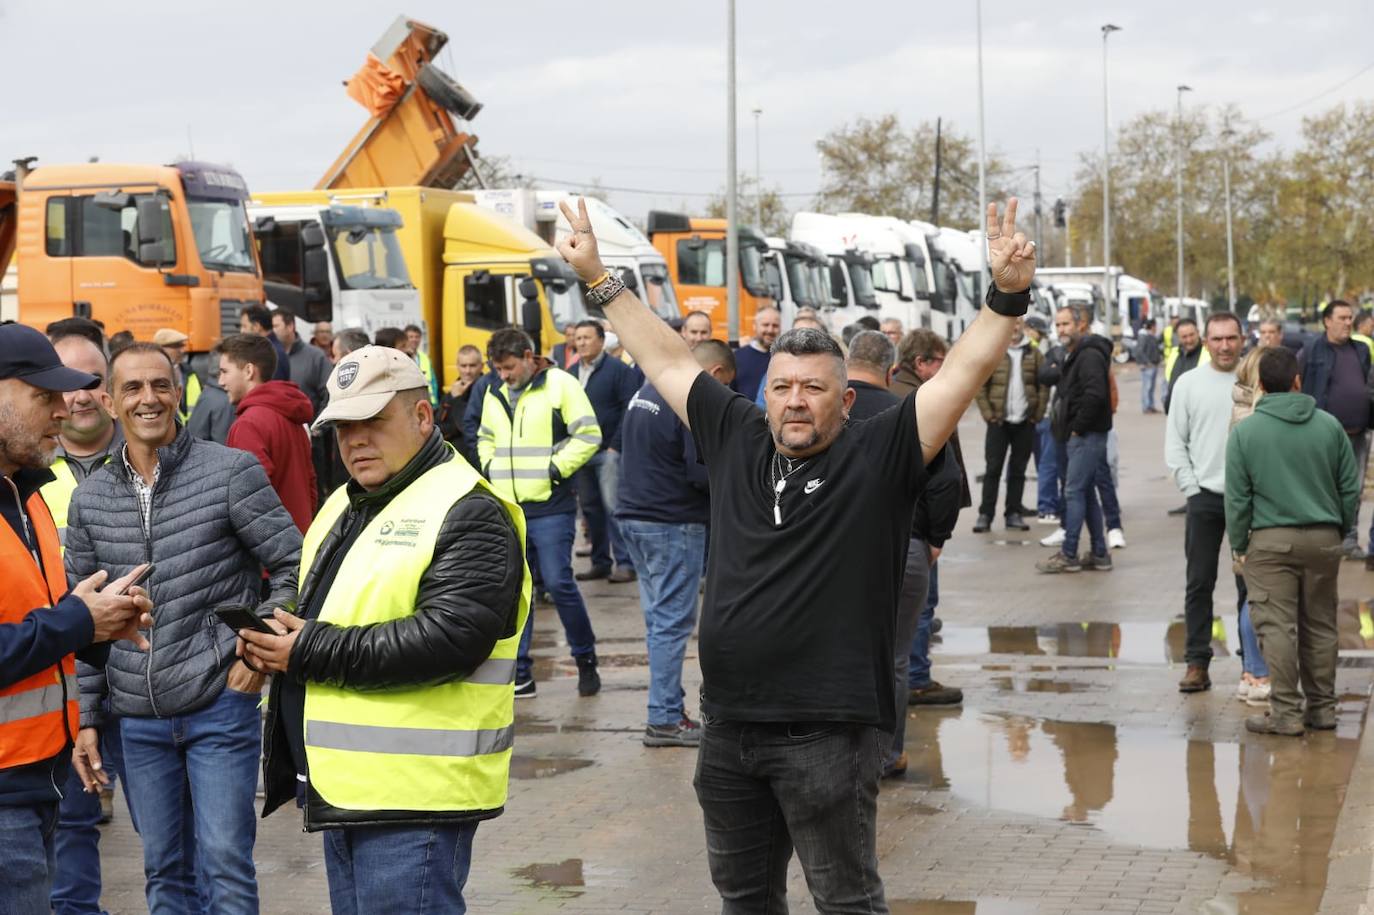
(427, 369)
(1363, 338)
(58, 495)
(443, 747)
(1171, 358)
(189, 396)
(517, 448)
(1170, 348)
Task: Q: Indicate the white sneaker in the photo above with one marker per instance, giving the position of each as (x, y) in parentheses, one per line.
(1259, 694)
(1055, 539)
(1116, 539)
(1243, 690)
(1047, 518)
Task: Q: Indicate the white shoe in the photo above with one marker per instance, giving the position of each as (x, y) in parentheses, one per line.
(1055, 539)
(1243, 690)
(1259, 694)
(1048, 518)
(1116, 539)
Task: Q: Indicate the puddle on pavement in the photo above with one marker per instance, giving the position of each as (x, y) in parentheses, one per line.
(959, 907)
(1267, 806)
(1040, 685)
(534, 725)
(545, 766)
(546, 668)
(558, 876)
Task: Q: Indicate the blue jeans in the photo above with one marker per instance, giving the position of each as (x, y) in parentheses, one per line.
(549, 542)
(598, 482)
(1149, 378)
(1046, 469)
(374, 868)
(27, 858)
(668, 557)
(1087, 453)
(1252, 659)
(191, 780)
(766, 789)
(1105, 481)
(918, 671)
(76, 882)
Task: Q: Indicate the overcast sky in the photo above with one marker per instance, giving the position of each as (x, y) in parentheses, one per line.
(633, 94)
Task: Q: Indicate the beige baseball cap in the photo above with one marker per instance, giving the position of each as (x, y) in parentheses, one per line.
(365, 380)
(166, 336)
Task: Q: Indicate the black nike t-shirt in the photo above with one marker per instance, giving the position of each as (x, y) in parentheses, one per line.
(798, 619)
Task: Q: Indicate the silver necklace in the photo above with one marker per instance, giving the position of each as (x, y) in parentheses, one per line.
(779, 476)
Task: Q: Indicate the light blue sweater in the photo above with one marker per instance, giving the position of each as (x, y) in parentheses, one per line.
(1199, 421)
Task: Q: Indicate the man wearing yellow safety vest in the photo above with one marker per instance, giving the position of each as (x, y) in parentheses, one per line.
(173, 343)
(42, 625)
(1187, 355)
(537, 429)
(393, 713)
(415, 346)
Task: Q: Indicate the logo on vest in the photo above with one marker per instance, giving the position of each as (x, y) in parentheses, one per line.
(347, 372)
(402, 532)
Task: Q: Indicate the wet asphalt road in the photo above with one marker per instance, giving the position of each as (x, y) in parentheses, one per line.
(1075, 778)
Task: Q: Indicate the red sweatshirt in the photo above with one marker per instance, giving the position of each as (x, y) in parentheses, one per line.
(271, 424)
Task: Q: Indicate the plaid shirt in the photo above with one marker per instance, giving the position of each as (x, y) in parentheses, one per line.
(144, 491)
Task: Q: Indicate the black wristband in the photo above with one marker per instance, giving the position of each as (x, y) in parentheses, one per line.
(1010, 304)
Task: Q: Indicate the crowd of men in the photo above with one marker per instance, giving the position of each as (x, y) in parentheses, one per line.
(318, 510)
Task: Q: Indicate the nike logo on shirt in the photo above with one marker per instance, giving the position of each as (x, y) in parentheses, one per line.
(812, 486)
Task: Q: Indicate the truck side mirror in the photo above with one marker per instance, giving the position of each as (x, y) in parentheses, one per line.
(154, 244)
(264, 225)
(532, 320)
(312, 235)
(627, 276)
(317, 296)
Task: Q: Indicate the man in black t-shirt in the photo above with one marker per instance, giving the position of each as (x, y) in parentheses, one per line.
(810, 521)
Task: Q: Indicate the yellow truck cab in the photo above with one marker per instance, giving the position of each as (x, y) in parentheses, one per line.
(694, 248)
(137, 247)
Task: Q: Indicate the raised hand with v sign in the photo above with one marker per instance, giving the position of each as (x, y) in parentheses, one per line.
(1011, 257)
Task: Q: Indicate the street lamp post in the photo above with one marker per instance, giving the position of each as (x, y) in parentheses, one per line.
(1226, 135)
(731, 182)
(1178, 187)
(982, 156)
(758, 171)
(1107, 183)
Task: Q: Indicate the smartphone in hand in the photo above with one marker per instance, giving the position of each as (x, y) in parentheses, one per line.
(237, 618)
(145, 572)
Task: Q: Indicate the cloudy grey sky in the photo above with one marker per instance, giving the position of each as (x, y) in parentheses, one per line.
(633, 94)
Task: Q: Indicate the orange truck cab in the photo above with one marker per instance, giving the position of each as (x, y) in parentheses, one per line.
(137, 247)
(694, 248)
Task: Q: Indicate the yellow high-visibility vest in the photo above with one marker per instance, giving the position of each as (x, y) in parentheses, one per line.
(58, 495)
(427, 369)
(443, 747)
(517, 448)
(190, 395)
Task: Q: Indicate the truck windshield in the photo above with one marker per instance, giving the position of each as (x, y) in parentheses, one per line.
(369, 257)
(885, 276)
(658, 292)
(221, 231)
(861, 276)
(566, 305)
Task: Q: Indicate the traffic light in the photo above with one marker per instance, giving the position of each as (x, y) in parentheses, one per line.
(1061, 211)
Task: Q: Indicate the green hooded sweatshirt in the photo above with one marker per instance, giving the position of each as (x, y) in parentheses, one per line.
(1288, 465)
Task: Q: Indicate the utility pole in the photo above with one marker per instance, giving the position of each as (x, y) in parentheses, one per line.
(758, 171)
(935, 196)
(1178, 186)
(1068, 236)
(982, 159)
(1230, 245)
(1107, 292)
(731, 185)
(1039, 242)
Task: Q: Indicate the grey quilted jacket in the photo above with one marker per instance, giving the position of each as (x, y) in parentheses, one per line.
(216, 523)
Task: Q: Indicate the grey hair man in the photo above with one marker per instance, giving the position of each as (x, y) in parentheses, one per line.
(801, 685)
(348, 340)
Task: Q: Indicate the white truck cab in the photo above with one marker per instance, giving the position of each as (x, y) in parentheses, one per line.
(354, 239)
(622, 246)
(899, 268)
(850, 270)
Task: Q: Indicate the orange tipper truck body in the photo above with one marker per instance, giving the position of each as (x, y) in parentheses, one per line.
(694, 248)
(137, 247)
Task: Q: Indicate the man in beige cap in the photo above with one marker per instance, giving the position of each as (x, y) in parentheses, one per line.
(173, 343)
(397, 706)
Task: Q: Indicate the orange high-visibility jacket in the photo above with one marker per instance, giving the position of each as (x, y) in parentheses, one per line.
(32, 727)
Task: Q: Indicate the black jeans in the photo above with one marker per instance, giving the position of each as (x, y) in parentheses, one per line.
(1020, 438)
(1206, 528)
(766, 789)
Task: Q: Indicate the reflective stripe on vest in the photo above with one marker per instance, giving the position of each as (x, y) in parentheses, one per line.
(516, 451)
(442, 747)
(32, 722)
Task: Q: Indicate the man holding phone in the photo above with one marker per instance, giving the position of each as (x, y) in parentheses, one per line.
(43, 626)
(192, 736)
(394, 708)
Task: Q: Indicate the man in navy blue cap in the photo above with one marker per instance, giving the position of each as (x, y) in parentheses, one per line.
(42, 625)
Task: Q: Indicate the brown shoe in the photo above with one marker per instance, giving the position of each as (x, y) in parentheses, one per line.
(1195, 680)
(622, 575)
(1268, 724)
(895, 768)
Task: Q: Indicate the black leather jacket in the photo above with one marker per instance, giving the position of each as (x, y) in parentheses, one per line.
(467, 601)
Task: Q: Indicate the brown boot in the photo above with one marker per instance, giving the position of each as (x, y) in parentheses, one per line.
(1195, 680)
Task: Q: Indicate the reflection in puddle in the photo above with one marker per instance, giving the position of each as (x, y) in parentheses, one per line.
(1267, 806)
(545, 766)
(533, 725)
(1038, 685)
(1141, 643)
(558, 876)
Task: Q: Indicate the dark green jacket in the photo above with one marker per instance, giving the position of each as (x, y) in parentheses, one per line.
(992, 396)
(1288, 465)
